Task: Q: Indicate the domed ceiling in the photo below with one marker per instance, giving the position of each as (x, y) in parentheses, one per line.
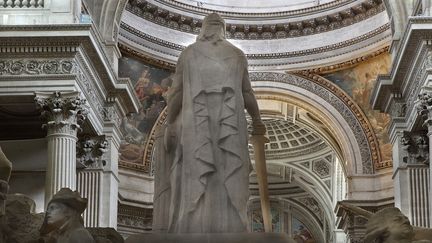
(274, 34)
(289, 140)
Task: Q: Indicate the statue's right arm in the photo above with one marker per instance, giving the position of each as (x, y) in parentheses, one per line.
(175, 93)
(5, 167)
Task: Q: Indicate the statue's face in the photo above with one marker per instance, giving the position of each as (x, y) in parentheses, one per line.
(57, 213)
(399, 229)
(214, 28)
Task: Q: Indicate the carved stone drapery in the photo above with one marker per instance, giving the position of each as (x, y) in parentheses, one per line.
(63, 113)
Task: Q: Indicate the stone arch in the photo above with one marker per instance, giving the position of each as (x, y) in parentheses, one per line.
(336, 110)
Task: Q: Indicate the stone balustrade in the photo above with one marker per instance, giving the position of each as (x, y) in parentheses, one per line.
(20, 4)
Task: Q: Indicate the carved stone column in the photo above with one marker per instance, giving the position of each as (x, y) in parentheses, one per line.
(411, 177)
(424, 109)
(111, 130)
(63, 113)
(90, 176)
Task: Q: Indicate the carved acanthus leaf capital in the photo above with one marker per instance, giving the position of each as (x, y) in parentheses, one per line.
(415, 148)
(424, 108)
(62, 112)
(90, 151)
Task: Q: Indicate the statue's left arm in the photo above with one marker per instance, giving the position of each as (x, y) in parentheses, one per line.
(251, 104)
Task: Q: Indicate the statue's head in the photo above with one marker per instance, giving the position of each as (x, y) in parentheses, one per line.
(213, 29)
(389, 225)
(65, 205)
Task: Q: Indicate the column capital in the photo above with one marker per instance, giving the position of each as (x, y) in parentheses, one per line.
(90, 151)
(424, 108)
(62, 112)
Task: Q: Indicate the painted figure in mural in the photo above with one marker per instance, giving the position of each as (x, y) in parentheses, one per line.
(207, 132)
(63, 222)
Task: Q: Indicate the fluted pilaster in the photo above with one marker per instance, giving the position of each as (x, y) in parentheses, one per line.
(419, 183)
(89, 182)
(424, 109)
(62, 113)
(90, 177)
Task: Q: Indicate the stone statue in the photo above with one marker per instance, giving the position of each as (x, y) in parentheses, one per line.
(426, 6)
(207, 134)
(63, 222)
(5, 172)
(389, 225)
(20, 222)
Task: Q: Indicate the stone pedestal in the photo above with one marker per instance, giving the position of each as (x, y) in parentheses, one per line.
(211, 238)
(62, 112)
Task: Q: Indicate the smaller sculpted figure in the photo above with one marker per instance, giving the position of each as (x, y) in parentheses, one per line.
(63, 222)
(389, 225)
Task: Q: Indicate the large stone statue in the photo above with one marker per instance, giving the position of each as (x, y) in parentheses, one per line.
(63, 222)
(5, 172)
(207, 134)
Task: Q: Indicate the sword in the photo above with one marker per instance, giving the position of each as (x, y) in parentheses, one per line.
(258, 141)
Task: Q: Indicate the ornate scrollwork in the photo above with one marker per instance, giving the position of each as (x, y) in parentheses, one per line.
(33, 67)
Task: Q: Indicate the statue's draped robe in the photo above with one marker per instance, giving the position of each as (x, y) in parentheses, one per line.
(210, 171)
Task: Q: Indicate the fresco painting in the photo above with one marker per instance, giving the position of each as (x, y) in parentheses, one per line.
(358, 82)
(300, 232)
(150, 84)
(258, 224)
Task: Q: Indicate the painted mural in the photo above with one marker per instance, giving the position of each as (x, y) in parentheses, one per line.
(358, 82)
(258, 224)
(150, 84)
(300, 232)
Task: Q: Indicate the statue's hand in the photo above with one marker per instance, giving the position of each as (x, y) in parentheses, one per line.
(258, 127)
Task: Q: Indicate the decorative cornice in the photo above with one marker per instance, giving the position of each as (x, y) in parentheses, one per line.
(281, 55)
(282, 29)
(146, 58)
(35, 66)
(82, 43)
(321, 70)
(346, 64)
(291, 13)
